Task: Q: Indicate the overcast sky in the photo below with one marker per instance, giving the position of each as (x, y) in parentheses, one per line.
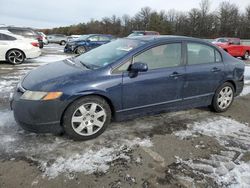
(54, 13)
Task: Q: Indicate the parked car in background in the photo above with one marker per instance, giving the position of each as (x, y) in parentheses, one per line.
(233, 46)
(57, 38)
(87, 42)
(25, 32)
(15, 48)
(73, 37)
(141, 33)
(44, 38)
(126, 78)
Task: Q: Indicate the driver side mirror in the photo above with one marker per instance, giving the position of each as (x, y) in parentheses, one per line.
(137, 67)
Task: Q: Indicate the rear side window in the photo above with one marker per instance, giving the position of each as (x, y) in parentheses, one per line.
(104, 38)
(93, 38)
(6, 37)
(201, 53)
(163, 56)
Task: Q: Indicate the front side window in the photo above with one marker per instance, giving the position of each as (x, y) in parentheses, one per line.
(104, 38)
(201, 53)
(163, 56)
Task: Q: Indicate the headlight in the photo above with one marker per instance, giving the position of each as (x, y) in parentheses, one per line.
(39, 95)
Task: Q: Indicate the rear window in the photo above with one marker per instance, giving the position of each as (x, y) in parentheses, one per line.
(16, 31)
(28, 33)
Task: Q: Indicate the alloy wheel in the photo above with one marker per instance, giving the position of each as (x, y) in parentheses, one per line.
(225, 97)
(80, 50)
(88, 119)
(15, 57)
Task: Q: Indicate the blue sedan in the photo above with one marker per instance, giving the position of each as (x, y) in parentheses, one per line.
(126, 78)
(87, 42)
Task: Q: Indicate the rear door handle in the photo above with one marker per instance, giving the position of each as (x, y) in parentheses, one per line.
(215, 69)
(175, 75)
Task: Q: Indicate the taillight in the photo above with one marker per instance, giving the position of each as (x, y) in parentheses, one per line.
(36, 44)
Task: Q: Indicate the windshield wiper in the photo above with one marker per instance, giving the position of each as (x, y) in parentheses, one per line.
(85, 65)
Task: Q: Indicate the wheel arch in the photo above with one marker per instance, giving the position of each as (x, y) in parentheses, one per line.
(231, 82)
(79, 46)
(112, 108)
(14, 49)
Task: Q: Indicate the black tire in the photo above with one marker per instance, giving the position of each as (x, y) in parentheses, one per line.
(245, 56)
(215, 104)
(15, 57)
(71, 110)
(40, 44)
(63, 42)
(80, 50)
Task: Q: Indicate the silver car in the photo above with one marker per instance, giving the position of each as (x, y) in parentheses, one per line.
(57, 38)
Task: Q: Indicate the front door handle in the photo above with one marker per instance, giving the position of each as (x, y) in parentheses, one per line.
(215, 69)
(175, 75)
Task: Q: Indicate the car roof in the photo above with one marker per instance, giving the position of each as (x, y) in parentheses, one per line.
(160, 37)
(3, 31)
(98, 34)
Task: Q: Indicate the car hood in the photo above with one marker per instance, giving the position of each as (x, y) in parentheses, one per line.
(54, 76)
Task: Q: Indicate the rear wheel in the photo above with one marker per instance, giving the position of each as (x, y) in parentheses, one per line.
(80, 50)
(15, 57)
(87, 118)
(246, 55)
(62, 42)
(223, 97)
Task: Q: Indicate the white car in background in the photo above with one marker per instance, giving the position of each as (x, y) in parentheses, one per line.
(73, 37)
(44, 38)
(15, 49)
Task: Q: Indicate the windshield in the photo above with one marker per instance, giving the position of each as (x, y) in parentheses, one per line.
(108, 53)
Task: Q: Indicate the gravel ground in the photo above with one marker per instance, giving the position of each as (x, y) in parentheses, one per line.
(180, 149)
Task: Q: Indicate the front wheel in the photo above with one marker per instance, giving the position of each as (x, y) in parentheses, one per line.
(15, 57)
(87, 118)
(80, 50)
(223, 97)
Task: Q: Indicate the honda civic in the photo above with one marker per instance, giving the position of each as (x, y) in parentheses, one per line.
(123, 79)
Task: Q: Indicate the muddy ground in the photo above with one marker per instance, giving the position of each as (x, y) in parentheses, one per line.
(192, 148)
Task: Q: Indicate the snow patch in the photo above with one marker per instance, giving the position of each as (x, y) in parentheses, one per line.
(91, 161)
(50, 58)
(247, 72)
(246, 90)
(226, 168)
(63, 156)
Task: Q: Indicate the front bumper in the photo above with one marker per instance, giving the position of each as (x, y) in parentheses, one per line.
(239, 87)
(68, 48)
(38, 116)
